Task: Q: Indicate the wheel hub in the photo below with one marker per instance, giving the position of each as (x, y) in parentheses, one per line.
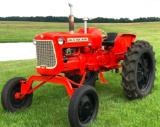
(16, 99)
(143, 72)
(85, 109)
(18, 95)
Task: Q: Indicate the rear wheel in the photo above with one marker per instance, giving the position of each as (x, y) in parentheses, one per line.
(138, 70)
(90, 78)
(9, 102)
(83, 107)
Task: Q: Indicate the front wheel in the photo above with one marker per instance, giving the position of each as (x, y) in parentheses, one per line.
(9, 102)
(83, 107)
(138, 70)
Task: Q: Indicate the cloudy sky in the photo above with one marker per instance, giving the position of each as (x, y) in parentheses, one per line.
(82, 8)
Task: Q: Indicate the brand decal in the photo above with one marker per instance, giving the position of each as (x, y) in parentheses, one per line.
(77, 39)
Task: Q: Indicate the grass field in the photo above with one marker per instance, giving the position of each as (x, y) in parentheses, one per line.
(50, 102)
(26, 31)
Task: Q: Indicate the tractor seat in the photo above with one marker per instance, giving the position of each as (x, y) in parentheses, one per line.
(110, 39)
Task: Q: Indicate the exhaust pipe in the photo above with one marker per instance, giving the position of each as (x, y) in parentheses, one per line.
(71, 20)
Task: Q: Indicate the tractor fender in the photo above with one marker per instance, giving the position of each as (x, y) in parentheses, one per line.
(122, 42)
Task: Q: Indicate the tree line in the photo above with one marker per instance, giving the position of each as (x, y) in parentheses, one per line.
(79, 20)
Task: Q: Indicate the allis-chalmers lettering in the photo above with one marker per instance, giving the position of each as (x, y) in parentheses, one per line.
(77, 39)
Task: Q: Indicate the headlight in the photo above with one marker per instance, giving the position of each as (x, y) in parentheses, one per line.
(34, 41)
(60, 41)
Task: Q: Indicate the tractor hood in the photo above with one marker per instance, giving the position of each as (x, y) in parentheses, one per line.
(92, 38)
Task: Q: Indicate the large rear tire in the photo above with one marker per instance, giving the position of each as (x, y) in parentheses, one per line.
(9, 102)
(138, 70)
(83, 106)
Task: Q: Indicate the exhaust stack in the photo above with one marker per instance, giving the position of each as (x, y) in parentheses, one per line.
(71, 20)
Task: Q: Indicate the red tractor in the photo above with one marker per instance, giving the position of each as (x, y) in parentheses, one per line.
(74, 59)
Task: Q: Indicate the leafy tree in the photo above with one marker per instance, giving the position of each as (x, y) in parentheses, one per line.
(79, 20)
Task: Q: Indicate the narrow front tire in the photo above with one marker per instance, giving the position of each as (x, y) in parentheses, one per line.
(9, 102)
(83, 107)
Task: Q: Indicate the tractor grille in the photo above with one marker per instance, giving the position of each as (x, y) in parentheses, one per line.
(45, 54)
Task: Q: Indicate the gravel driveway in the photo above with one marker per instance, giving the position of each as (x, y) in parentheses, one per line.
(17, 51)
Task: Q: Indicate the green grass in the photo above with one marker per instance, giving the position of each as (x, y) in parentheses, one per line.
(50, 103)
(26, 31)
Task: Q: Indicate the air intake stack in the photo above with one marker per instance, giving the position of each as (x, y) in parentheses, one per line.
(85, 25)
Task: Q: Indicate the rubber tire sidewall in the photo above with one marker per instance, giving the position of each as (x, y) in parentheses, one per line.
(151, 80)
(129, 69)
(92, 80)
(74, 103)
(5, 96)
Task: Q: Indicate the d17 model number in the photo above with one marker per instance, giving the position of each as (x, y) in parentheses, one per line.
(77, 39)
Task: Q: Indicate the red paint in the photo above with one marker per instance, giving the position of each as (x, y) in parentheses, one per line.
(88, 55)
